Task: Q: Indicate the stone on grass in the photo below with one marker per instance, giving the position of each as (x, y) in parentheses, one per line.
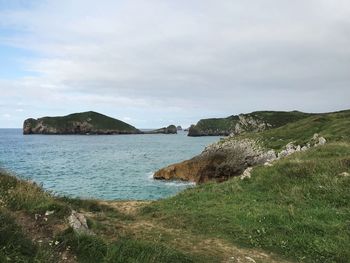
(78, 222)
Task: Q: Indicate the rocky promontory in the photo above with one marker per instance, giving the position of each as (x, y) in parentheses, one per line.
(218, 162)
(251, 122)
(78, 123)
(236, 155)
(171, 129)
(228, 158)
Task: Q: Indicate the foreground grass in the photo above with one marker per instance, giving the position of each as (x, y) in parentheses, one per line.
(298, 208)
(18, 197)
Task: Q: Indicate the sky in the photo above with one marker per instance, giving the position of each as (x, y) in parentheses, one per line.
(153, 63)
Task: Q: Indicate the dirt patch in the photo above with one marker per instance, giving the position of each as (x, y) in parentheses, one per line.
(126, 207)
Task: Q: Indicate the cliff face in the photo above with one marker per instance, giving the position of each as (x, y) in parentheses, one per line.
(238, 124)
(235, 155)
(218, 162)
(229, 158)
(78, 123)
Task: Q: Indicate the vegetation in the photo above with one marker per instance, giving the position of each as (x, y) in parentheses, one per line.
(14, 245)
(97, 121)
(27, 235)
(332, 126)
(299, 208)
(225, 126)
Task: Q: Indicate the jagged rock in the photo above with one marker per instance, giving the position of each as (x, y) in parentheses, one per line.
(48, 213)
(246, 173)
(321, 141)
(304, 148)
(78, 222)
(291, 148)
(218, 162)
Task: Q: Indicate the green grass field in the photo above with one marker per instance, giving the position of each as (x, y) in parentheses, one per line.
(299, 208)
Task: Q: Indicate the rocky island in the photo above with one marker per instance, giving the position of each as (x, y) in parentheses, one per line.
(89, 122)
(171, 129)
(251, 122)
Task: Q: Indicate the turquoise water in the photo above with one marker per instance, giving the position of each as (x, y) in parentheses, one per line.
(98, 166)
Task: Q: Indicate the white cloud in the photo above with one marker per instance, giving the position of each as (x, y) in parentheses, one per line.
(174, 59)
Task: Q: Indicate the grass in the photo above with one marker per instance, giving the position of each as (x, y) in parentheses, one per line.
(299, 208)
(18, 196)
(91, 249)
(333, 126)
(14, 246)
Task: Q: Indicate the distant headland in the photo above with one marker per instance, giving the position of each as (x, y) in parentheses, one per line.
(82, 123)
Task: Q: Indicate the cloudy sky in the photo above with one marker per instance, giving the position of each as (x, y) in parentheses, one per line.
(156, 62)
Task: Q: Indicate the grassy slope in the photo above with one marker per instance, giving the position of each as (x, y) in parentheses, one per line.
(333, 126)
(275, 118)
(19, 197)
(298, 208)
(99, 121)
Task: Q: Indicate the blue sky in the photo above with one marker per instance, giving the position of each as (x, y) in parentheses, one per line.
(152, 63)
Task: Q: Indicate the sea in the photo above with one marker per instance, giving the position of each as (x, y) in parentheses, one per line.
(110, 167)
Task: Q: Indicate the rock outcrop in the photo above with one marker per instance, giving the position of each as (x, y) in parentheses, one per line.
(78, 123)
(78, 223)
(218, 162)
(228, 158)
(291, 148)
(238, 124)
(171, 129)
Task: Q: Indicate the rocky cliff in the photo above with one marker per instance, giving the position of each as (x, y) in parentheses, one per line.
(251, 122)
(218, 162)
(78, 123)
(236, 154)
(228, 158)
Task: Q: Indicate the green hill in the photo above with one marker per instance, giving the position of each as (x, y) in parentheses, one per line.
(78, 123)
(333, 126)
(237, 124)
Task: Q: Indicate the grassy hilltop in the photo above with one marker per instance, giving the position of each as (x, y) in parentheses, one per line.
(255, 121)
(296, 210)
(78, 123)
